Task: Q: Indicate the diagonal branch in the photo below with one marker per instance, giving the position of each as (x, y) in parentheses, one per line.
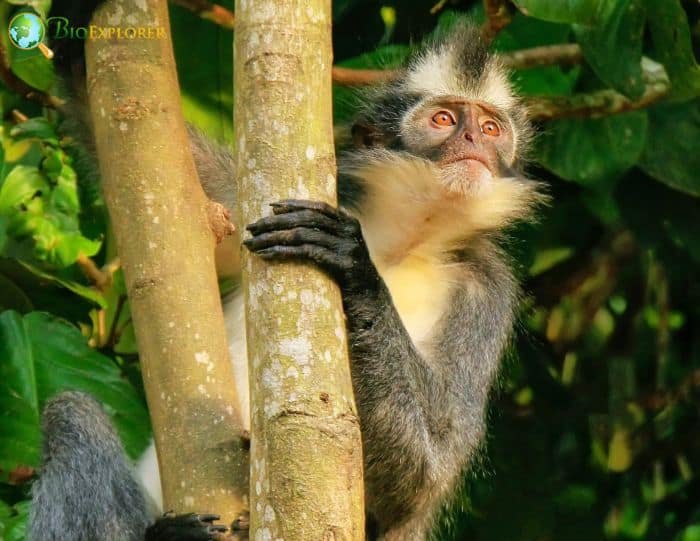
(546, 55)
(602, 102)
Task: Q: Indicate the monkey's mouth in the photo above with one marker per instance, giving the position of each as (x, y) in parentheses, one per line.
(467, 158)
(466, 175)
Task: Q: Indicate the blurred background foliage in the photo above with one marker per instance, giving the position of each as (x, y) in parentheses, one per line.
(595, 428)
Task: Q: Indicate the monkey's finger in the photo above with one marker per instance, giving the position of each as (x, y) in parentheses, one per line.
(294, 205)
(302, 218)
(207, 517)
(292, 237)
(328, 260)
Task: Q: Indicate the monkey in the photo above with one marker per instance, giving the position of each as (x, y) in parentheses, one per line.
(433, 178)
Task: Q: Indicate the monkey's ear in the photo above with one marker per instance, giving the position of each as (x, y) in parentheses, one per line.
(365, 135)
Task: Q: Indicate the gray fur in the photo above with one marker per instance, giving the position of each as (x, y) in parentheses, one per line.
(423, 418)
(86, 490)
(215, 168)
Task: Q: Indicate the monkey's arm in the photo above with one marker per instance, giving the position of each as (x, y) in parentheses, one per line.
(422, 417)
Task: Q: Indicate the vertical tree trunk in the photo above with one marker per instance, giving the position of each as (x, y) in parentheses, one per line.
(306, 459)
(159, 214)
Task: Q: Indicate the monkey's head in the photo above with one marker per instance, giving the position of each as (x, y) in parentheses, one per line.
(453, 105)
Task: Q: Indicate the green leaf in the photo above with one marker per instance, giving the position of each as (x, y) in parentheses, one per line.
(33, 68)
(524, 33)
(79, 289)
(207, 86)
(43, 216)
(671, 153)
(562, 11)
(613, 45)
(40, 6)
(589, 151)
(661, 218)
(4, 224)
(43, 356)
(691, 533)
(20, 185)
(13, 521)
(13, 298)
(673, 47)
(546, 81)
(35, 128)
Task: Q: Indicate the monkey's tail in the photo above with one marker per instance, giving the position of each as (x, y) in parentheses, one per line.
(86, 490)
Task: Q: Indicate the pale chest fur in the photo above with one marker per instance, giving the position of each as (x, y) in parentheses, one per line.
(420, 289)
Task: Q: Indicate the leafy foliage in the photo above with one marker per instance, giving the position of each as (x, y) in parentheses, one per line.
(594, 428)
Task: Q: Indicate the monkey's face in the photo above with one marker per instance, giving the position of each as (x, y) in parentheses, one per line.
(471, 141)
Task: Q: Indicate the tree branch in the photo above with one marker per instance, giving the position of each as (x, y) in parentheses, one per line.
(603, 102)
(159, 213)
(361, 77)
(305, 453)
(563, 54)
(92, 271)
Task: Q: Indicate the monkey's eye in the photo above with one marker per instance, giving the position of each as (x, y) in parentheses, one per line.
(443, 119)
(490, 127)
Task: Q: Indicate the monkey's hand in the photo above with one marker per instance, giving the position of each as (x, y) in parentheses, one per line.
(317, 232)
(190, 527)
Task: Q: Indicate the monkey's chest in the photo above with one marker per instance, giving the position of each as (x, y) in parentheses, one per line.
(420, 290)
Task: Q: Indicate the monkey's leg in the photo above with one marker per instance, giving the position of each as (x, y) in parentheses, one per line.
(190, 527)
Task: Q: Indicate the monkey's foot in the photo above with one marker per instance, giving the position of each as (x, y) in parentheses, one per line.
(190, 527)
(240, 527)
(319, 233)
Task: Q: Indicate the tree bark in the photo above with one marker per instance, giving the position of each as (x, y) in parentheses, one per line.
(159, 215)
(306, 459)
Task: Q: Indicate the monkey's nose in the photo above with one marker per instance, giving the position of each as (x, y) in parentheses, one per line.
(468, 136)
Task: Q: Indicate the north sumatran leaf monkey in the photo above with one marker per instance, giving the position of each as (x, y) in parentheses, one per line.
(432, 178)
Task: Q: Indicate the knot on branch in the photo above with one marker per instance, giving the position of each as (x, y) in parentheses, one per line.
(219, 221)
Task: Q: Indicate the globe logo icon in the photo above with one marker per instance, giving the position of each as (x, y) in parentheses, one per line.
(26, 31)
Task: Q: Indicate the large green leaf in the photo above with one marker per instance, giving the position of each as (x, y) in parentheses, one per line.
(588, 150)
(671, 154)
(673, 47)
(562, 11)
(32, 68)
(523, 33)
(206, 76)
(41, 356)
(660, 217)
(613, 45)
